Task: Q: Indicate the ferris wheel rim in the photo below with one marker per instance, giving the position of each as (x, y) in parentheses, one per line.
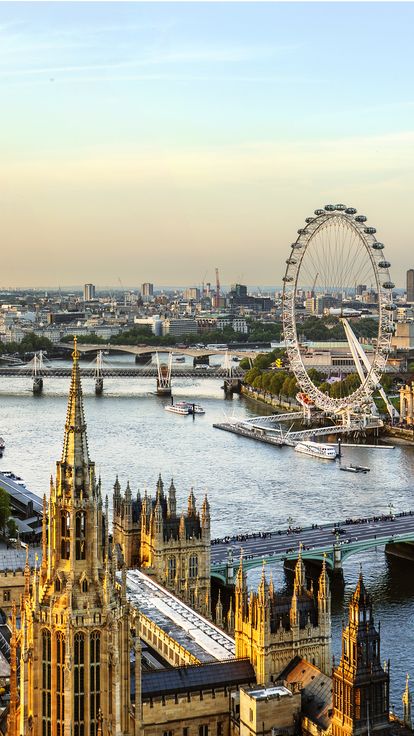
(374, 249)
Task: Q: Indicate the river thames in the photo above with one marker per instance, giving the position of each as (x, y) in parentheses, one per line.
(251, 486)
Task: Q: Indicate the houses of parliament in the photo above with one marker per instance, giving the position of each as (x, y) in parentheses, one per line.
(82, 662)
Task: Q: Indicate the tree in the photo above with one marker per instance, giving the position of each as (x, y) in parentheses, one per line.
(11, 529)
(4, 508)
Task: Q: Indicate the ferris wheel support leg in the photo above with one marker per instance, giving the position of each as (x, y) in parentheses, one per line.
(361, 356)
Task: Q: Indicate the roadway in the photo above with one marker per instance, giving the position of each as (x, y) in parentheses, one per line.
(282, 543)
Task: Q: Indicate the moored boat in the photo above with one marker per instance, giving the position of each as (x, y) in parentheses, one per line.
(355, 468)
(317, 449)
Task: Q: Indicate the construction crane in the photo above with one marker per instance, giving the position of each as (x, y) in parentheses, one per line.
(217, 289)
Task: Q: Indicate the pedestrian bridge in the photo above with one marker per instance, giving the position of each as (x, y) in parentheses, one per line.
(335, 543)
(152, 349)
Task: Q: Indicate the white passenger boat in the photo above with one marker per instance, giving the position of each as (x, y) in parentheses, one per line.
(185, 407)
(181, 407)
(317, 449)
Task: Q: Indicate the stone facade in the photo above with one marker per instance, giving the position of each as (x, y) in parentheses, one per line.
(271, 629)
(407, 404)
(174, 548)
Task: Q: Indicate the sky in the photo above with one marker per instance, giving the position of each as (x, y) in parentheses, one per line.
(157, 141)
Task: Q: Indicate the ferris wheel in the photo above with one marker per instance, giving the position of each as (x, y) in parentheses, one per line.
(334, 260)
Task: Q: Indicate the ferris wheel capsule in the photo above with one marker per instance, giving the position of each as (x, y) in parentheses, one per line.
(390, 307)
(309, 219)
(291, 261)
(378, 246)
(340, 207)
(301, 231)
(350, 211)
(296, 246)
(319, 212)
(388, 285)
(384, 264)
(370, 230)
(330, 207)
(287, 279)
(360, 218)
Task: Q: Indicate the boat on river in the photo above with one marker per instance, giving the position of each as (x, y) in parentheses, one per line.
(316, 449)
(355, 468)
(185, 407)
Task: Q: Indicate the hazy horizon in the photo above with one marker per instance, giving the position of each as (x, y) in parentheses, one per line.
(162, 140)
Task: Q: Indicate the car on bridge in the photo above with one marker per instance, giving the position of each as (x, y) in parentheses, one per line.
(338, 530)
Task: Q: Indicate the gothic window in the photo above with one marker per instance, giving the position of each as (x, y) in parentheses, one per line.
(46, 683)
(58, 585)
(79, 685)
(80, 523)
(203, 730)
(6, 596)
(60, 683)
(65, 535)
(172, 569)
(95, 685)
(193, 566)
(84, 585)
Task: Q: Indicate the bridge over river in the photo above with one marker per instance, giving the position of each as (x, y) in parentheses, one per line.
(334, 542)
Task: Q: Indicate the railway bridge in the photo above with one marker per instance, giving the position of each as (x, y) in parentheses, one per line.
(333, 542)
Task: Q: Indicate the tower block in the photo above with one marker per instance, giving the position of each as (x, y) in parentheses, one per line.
(360, 683)
(271, 629)
(74, 638)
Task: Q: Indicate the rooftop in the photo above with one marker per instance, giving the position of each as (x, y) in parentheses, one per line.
(270, 692)
(197, 677)
(187, 627)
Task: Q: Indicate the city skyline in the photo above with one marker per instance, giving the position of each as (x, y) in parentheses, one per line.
(195, 135)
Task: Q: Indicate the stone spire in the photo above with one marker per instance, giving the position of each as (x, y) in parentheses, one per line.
(300, 575)
(44, 540)
(219, 612)
(27, 575)
(205, 513)
(406, 699)
(75, 453)
(263, 587)
(172, 503)
(191, 504)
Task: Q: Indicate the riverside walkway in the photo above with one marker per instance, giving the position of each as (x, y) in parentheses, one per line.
(335, 542)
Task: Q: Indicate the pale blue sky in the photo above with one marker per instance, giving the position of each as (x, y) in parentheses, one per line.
(178, 137)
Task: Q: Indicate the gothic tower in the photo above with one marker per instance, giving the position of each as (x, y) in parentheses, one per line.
(272, 629)
(360, 684)
(74, 638)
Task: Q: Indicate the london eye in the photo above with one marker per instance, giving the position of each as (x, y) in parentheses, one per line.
(336, 258)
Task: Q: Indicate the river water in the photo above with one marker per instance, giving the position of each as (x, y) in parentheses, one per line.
(251, 486)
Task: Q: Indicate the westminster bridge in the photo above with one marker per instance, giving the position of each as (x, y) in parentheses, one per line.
(332, 542)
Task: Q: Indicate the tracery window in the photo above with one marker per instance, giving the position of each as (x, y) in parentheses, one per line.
(95, 677)
(79, 685)
(60, 683)
(172, 569)
(65, 535)
(80, 524)
(193, 566)
(46, 683)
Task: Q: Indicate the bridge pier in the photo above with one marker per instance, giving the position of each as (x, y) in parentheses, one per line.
(37, 373)
(164, 377)
(99, 374)
(232, 386)
(201, 360)
(37, 385)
